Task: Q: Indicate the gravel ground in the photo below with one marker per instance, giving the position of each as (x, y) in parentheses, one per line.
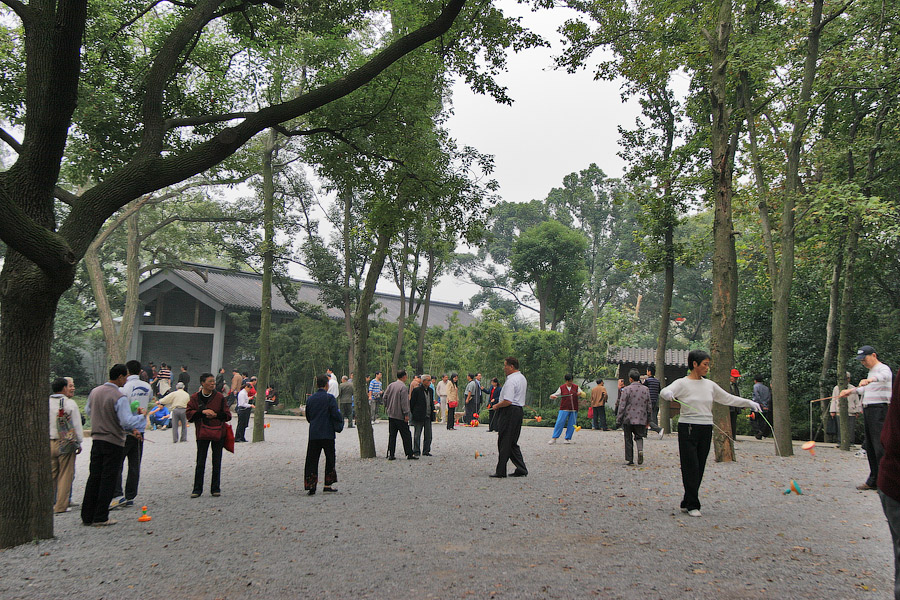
(581, 524)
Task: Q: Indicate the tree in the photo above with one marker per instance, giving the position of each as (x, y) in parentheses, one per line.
(44, 246)
(550, 259)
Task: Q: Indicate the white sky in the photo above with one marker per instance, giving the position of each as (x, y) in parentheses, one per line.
(559, 123)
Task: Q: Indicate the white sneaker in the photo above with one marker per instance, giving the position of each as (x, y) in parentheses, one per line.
(695, 513)
(552, 441)
(662, 434)
(860, 453)
(684, 510)
(568, 441)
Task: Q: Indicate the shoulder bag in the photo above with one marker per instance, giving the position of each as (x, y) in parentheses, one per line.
(68, 439)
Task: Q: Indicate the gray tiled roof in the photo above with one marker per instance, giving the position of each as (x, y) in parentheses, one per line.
(242, 290)
(647, 356)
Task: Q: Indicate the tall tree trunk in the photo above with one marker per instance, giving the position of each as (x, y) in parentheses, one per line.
(347, 197)
(265, 317)
(843, 353)
(361, 326)
(28, 299)
(400, 279)
(665, 316)
(724, 268)
(429, 284)
(781, 300)
(834, 294)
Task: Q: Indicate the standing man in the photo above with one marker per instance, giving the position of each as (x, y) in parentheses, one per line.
(177, 402)
(875, 402)
(443, 387)
(854, 409)
(346, 400)
(138, 393)
(62, 466)
(333, 387)
(568, 394)
(634, 416)
(324, 421)
(237, 384)
(375, 395)
(653, 386)
(396, 402)
(599, 397)
(185, 378)
(762, 395)
(509, 420)
(244, 409)
(421, 409)
(111, 421)
(220, 382)
(479, 393)
(471, 393)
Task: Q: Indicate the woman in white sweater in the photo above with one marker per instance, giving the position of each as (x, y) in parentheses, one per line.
(696, 396)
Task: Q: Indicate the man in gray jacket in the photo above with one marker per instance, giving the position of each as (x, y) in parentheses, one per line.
(396, 402)
(634, 416)
(111, 421)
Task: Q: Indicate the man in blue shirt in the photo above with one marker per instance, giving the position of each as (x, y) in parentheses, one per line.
(375, 395)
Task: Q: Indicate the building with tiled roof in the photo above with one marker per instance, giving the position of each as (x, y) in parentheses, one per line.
(640, 358)
(184, 314)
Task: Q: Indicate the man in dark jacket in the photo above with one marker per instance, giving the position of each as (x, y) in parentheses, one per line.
(324, 421)
(421, 408)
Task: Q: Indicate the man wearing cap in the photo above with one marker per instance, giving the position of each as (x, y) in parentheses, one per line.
(875, 406)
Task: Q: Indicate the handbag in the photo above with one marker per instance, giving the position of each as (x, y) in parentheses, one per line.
(229, 438)
(68, 439)
(452, 404)
(209, 429)
(590, 412)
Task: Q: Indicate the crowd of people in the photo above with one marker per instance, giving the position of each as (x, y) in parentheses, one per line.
(119, 415)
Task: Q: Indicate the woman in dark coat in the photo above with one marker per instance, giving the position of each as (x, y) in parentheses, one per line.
(493, 398)
(209, 409)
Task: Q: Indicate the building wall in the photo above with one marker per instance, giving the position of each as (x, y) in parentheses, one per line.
(176, 349)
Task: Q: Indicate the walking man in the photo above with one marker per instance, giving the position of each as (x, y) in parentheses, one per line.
(509, 417)
(634, 416)
(875, 402)
(177, 402)
(396, 402)
(111, 422)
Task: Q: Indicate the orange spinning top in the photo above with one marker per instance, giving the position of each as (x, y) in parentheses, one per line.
(811, 446)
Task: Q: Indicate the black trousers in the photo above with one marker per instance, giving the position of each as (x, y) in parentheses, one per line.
(134, 450)
(203, 447)
(311, 472)
(418, 428)
(347, 413)
(243, 421)
(693, 448)
(509, 426)
(873, 419)
(637, 433)
(106, 460)
(654, 417)
(401, 426)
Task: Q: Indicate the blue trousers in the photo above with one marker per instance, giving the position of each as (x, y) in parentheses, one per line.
(565, 418)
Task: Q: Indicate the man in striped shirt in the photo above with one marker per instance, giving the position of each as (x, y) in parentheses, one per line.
(375, 395)
(875, 401)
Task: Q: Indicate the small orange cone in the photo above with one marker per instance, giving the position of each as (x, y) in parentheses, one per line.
(144, 516)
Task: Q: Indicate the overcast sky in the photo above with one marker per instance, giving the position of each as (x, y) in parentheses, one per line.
(559, 123)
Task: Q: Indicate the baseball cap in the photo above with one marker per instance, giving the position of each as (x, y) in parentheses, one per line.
(864, 352)
(735, 373)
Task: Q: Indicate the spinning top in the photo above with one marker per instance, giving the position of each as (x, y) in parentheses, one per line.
(811, 446)
(794, 487)
(144, 516)
(578, 428)
(538, 418)
(477, 454)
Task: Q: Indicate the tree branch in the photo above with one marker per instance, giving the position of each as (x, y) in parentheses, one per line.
(61, 194)
(20, 9)
(204, 119)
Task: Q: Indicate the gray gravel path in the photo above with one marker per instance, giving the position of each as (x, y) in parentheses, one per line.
(580, 525)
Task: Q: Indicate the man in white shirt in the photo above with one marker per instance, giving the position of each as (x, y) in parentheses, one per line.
(441, 390)
(509, 420)
(334, 387)
(244, 408)
(177, 402)
(62, 466)
(875, 401)
(138, 393)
